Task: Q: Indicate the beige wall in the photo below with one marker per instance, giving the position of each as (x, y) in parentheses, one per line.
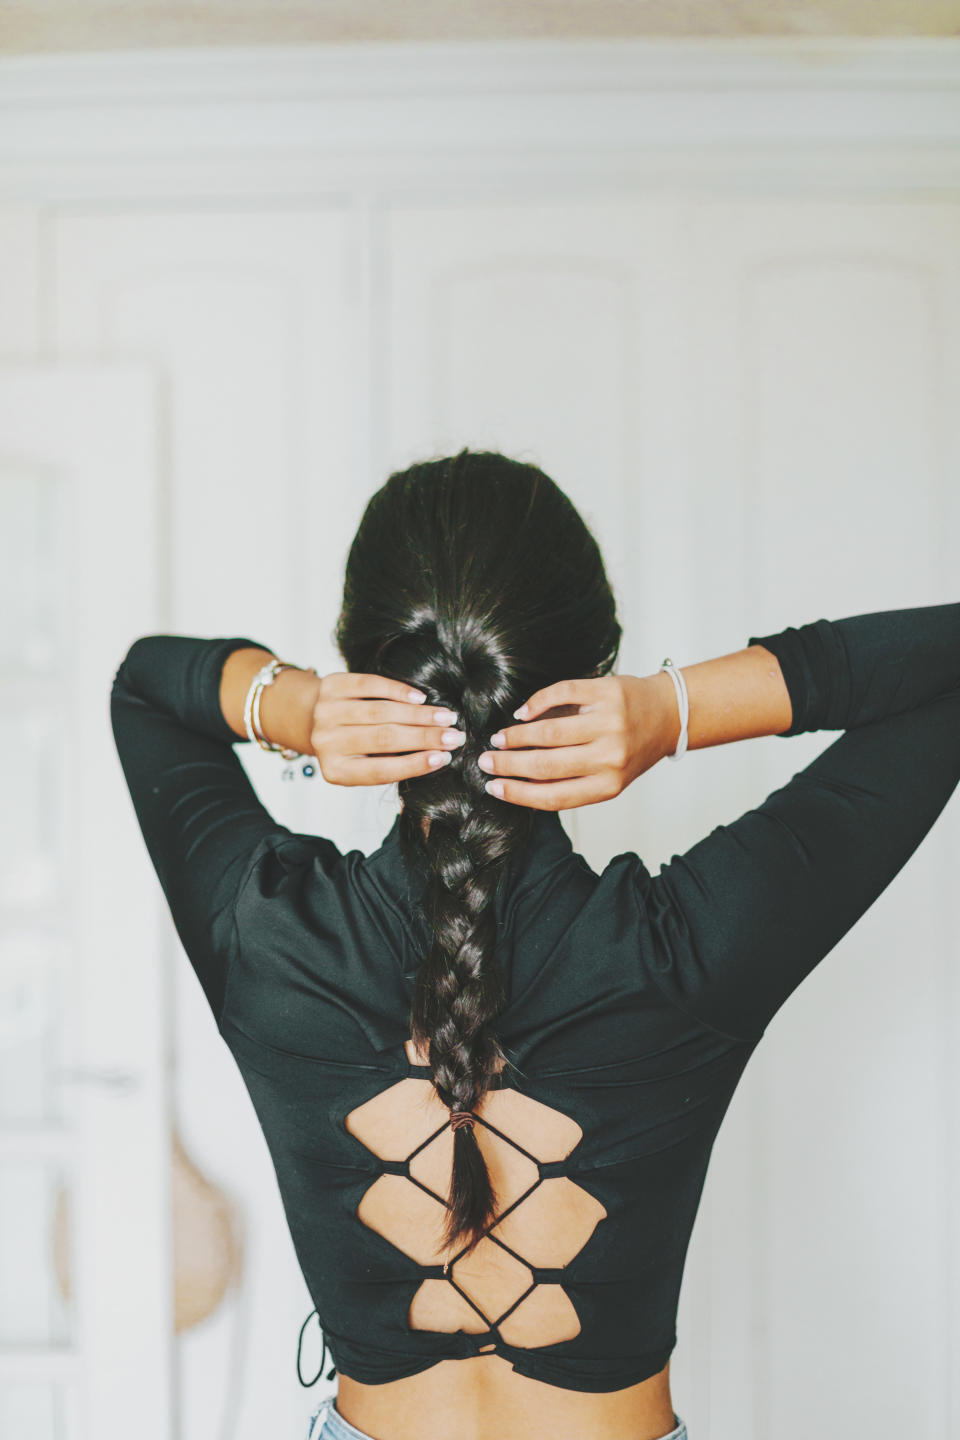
(36, 25)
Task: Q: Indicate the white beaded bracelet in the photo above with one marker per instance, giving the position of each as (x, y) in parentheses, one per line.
(680, 685)
(251, 708)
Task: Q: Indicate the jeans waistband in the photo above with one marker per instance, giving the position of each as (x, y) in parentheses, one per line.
(327, 1423)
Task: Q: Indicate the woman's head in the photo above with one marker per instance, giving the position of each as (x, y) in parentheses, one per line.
(473, 578)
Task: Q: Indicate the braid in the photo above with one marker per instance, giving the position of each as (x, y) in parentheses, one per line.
(458, 990)
(473, 578)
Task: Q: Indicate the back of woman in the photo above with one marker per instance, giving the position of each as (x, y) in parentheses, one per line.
(490, 1077)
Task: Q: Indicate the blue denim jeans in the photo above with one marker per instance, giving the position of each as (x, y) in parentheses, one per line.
(326, 1423)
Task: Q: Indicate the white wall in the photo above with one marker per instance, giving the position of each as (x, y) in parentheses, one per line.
(715, 293)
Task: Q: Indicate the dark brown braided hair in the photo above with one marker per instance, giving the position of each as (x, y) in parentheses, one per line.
(474, 578)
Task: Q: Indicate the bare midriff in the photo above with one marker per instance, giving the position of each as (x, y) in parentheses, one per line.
(547, 1222)
(483, 1398)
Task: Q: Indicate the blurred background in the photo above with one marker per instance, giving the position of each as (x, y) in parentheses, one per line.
(698, 260)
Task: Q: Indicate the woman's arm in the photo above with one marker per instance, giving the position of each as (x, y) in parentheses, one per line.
(738, 921)
(176, 709)
(286, 705)
(610, 731)
(738, 696)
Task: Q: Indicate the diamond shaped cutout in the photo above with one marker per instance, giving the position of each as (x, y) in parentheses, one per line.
(437, 1305)
(399, 1119)
(551, 1222)
(511, 1173)
(492, 1277)
(545, 1317)
(405, 1216)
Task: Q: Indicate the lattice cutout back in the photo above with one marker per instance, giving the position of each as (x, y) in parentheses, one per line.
(511, 1283)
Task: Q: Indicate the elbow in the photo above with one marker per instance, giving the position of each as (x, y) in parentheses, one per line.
(122, 686)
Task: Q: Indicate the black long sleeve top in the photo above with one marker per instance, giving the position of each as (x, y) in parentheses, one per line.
(634, 1001)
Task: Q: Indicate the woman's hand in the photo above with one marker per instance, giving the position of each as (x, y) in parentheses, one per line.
(583, 741)
(366, 730)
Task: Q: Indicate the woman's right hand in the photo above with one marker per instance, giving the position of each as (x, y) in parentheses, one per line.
(583, 741)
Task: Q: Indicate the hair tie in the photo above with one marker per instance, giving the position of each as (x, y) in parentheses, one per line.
(680, 685)
(461, 1117)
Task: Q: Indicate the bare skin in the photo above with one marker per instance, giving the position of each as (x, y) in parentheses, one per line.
(483, 1396)
(578, 742)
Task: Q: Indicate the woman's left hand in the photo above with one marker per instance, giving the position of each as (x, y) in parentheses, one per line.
(368, 731)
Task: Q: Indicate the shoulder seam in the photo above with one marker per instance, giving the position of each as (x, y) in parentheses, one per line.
(262, 847)
(675, 1004)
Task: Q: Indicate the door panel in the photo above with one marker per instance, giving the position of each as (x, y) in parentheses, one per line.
(753, 403)
(84, 1174)
(256, 322)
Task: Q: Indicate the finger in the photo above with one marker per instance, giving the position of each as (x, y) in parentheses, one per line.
(393, 739)
(387, 769)
(569, 762)
(353, 711)
(561, 692)
(543, 734)
(553, 795)
(360, 684)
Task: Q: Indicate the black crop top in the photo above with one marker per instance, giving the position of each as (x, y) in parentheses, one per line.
(634, 1001)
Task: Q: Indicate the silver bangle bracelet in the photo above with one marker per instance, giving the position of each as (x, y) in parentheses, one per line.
(683, 701)
(251, 707)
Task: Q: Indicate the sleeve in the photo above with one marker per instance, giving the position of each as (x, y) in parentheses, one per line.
(738, 921)
(198, 812)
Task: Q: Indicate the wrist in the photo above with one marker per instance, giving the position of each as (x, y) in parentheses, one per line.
(667, 711)
(286, 705)
(286, 709)
(737, 696)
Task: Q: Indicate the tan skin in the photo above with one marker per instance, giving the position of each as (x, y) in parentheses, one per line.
(578, 742)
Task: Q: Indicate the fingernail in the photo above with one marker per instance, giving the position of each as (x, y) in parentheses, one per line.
(415, 696)
(522, 713)
(494, 787)
(485, 762)
(444, 717)
(498, 739)
(439, 757)
(453, 737)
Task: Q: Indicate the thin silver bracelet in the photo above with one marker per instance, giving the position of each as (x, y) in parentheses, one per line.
(680, 685)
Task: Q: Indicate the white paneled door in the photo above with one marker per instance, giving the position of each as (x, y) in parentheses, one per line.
(752, 402)
(256, 323)
(84, 1164)
(826, 439)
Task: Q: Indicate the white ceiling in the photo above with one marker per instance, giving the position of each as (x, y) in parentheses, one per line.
(51, 25)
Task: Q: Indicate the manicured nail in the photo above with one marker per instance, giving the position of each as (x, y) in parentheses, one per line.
(485, 762)
(444, 717)
(494, 787)
(453, 737)
(415, 696)
(439, 757)
(498, 740)
(522, 713)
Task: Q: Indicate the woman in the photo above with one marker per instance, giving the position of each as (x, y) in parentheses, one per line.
(490, 1078)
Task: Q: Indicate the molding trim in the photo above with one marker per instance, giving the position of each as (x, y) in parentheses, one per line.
(455, 68)
(307, 121)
